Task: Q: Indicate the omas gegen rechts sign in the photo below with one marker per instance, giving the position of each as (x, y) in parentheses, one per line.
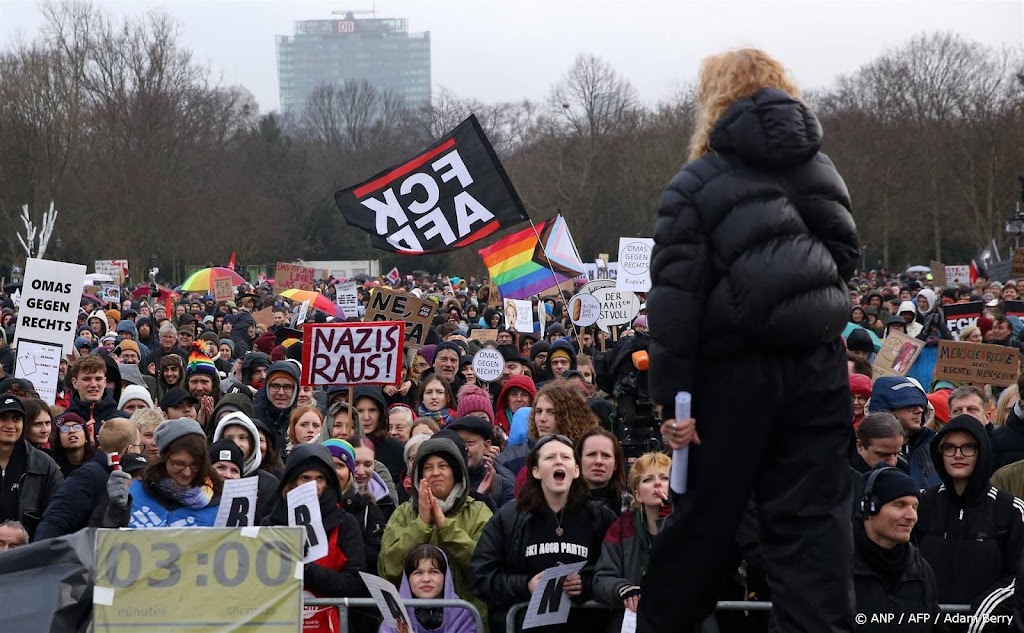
(50, 297)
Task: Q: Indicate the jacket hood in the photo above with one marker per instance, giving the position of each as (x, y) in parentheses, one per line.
(447, 449)
(522, 382)
(455, 620)
(102, 316)
(253, 461)
(235, 402)
(563, 345)
(768, 129)
(929, 296)
(281, 366)
(979, 483)
(296, 463)
(375, 394)
(128, 326)
(251, 361)
(907, 306)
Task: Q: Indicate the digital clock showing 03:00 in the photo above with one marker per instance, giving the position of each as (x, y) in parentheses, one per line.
(199, 579)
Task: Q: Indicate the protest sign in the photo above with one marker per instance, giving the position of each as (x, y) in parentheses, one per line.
(394, 276)
(1017, 267)
(549, 604)
(238, 500)
(938, 273)
(290, 276)
(977, 363)
(388, 600)
(223, 290)
(111, 293)
(184, 579)
(1013, 308)
(347, 297)
(50, 296)
(618, 307)
(897, 355)
(488, 364)
(960, 315)
(40, 363)
(352, 353)
(116, 268)
(957, 276)
(584, 310)
(449, 196)
(394, 305)
(634, 273)
(300, 318)
(264, 317)
(304, 512)
(518, 315)
(483, 334)
(1000, 271)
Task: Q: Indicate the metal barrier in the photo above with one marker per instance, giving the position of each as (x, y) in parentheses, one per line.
(724, 605)
(343, 605)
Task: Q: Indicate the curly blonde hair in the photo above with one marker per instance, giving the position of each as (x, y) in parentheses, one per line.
(725, 79)
(574, 415)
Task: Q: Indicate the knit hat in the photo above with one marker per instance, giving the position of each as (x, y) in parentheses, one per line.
(211, 337)
(114, 313)
(540, 347)
(228, 342)
(171, 430)
(473, 399)
(427, 352)
(640, 321)
(200, 364)
(227, 451)
(940, 402)
(860, 341)
(81, 342)
(171, 360)
(889, 484)
(451, 346)
(860, 385)
(128, 345)
(896, 392)
(344, 451)
(135, 392)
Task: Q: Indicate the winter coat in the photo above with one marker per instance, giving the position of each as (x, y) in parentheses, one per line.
(734, 226)
(452, 620)
(458, 537)
(101, 411)
(973, 541)
(502, 486)
(502, 414)
(152, 509)
(1008, 440)
(240, 334)
(276, 419)
(917, 452)
(618, 568)
(268, 483)
(78, 499)
(36, 487)
(914, 593)
(370, 519)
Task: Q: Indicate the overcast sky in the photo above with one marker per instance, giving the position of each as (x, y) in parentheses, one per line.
(510, 49)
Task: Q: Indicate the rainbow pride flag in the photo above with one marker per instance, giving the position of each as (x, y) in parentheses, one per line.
(521, 264)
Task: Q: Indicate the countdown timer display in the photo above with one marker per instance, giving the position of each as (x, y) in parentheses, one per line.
(199, 579)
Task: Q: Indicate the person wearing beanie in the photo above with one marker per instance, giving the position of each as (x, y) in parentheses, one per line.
(473, 400)
(233, 419)
(180, 488)
(361, 506)
(859, 344)
(447, 358)
(478, 435)
(202, 381)
(561, 358)
(83, 346)
(860, 389)
(170, 374)
(226, 458)
(440, 511)
(128, 352)
(888, 569)
(906, 400)
(640, 323)
(971, 533)
(335, 575)
(133, 398)
(275, 400)
(539, 357)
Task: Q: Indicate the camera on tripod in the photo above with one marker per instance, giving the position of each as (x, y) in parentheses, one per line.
(622, 372)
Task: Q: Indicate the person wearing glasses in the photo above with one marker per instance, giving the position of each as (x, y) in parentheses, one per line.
(94, 495)
(180, 488)
(28, 477)
(72, 442)
(554, 521)
(971, 533)
(907, 401)
(276, 398)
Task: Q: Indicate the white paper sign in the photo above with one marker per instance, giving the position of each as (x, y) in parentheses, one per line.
(238, 503)
(304, 512)
(957, 276)
(16, 299)
(111, 294)
(634, 264)
(348, 297)
(549, 604)
(519, 315)
(116, 268)
(618, 307)
(353, 353)
(387, 599)
(39, 363)
(303, 311)
(51, 294)
(488, 364)
(628, 622)
(584, 310)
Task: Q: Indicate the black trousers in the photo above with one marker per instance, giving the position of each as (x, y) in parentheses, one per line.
(777, 427)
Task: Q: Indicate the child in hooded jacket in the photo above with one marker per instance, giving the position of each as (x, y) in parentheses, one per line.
(426, 577)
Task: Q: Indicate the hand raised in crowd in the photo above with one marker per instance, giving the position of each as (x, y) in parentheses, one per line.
(425, 497)
(488, 479)
(493, 450)
(573, 585)
(117, 488)
(439, 517)
(205, 409)
(679, 434)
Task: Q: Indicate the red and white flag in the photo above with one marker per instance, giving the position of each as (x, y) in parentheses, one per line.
(394, 276)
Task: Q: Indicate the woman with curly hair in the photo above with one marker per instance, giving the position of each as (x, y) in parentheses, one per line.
(557, 409)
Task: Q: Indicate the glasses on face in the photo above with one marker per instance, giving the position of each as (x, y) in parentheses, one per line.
(967, 450)
(547, 438)
(180, 465)
(284, 388)
(67, 428)
(860, 399)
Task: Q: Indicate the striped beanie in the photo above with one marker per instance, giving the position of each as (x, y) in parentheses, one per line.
(200, 364)
(344, 451)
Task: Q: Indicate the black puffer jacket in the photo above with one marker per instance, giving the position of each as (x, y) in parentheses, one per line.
(972, 541)
(753, 244)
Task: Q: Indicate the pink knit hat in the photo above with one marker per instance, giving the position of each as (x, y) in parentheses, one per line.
(473, 399)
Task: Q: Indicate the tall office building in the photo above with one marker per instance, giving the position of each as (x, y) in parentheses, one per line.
(381, 51)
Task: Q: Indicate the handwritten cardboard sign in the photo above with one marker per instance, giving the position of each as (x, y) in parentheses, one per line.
(394, 305)
(977, 363)
(352, 353)
(293, 276)
(897, 355)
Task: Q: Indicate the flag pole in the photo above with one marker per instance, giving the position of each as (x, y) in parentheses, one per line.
(554, 278)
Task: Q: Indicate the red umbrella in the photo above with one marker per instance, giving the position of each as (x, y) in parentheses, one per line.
(142, 292)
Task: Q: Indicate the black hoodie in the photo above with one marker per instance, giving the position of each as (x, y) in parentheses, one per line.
(327, 583)
(972, 541)
(277, 419)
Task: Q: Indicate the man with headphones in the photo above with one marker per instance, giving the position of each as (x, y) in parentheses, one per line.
(893, 582)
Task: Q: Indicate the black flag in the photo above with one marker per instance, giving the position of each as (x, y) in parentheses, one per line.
(449, 196)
